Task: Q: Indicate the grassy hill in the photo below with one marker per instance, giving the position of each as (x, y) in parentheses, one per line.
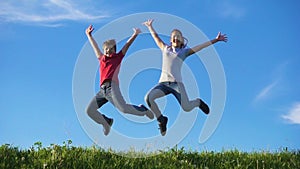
(67, 156)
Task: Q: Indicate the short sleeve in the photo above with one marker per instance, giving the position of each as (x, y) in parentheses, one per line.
(186, 51)
(120, 54)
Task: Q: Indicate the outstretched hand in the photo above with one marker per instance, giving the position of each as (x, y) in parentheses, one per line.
(148, 23)
(89, 30)
(136, 31)
(221, 37)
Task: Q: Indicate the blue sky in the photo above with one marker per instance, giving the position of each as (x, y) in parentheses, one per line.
(40, 42)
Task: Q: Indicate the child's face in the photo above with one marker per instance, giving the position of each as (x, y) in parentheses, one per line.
(176, 39)
(109, 48)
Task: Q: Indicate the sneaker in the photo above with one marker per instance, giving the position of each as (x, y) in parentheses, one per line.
(204, 107)
(107, 126)
(149, 113)
(162, 123)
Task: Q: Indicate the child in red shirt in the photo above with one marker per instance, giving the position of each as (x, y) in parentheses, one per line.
(110, 62)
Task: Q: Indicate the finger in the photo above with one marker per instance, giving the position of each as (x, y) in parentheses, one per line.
(150, 21)
(91, 28)
(145, 23)
(137, 30)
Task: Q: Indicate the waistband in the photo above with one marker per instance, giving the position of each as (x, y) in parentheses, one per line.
(106, 84)
(168, 83)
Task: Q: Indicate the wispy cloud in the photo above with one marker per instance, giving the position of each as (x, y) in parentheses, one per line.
(293, 116)
(228, 9)
(266, 91)
(277, 83)
(47, 12)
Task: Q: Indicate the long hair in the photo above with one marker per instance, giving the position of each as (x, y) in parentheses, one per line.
(183, 41)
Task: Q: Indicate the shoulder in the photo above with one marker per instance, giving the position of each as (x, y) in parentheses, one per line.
(120, 54)
(184, 52)
(187, 50)
(101, 57)
(167, 48)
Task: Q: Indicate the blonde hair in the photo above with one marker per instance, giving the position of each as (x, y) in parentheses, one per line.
(110, 42)
(177, 30)
(183, 38)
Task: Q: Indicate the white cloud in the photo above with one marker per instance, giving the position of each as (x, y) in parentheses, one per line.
(277, 85)
(293, 116)
(266, 91)
(47, 12)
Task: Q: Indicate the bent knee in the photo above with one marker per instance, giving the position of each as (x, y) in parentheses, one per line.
(149, 99)
(186, 107)
(123, 110)
(89, 110)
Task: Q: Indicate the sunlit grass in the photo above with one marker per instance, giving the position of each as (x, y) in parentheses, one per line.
(67, 156)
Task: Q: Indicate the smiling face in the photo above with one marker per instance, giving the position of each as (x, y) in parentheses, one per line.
(177, 38)
(109, 47)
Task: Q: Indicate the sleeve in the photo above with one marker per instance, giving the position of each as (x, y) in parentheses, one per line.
(100, 58)
(186, 52)
(165, 49)
(120, 54)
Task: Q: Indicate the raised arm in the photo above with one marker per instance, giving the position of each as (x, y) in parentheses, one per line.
(220, 37)
(154, 35)
(136, 32)
(92, 41)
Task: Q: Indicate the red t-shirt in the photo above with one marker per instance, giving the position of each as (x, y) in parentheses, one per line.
(110, 67)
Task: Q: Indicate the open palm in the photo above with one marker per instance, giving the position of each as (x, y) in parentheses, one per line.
(221, 37)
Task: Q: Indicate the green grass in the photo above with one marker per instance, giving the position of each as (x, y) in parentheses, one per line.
(67, 156)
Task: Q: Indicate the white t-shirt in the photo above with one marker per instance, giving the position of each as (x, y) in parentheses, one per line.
(172, 59)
